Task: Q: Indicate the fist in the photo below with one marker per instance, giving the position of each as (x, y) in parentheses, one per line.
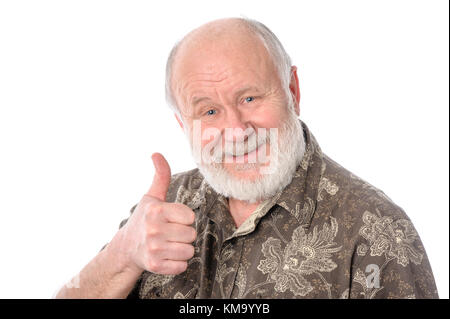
(158, 235)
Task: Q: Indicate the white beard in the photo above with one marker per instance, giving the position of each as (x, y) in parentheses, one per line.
(290, 150)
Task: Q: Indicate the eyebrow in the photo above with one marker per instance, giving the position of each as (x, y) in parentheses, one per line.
(196, 100)
(245, 90)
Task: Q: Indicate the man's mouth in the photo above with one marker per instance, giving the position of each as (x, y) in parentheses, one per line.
(243, 152)
(244, 156)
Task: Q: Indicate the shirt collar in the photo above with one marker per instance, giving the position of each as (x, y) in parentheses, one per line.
(300, 196)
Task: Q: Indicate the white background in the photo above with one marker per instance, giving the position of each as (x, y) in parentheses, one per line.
(82, 109)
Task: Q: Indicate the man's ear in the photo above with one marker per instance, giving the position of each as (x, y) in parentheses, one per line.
(179, 121)
(294, 87)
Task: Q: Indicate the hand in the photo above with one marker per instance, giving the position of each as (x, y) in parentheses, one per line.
(157, 237)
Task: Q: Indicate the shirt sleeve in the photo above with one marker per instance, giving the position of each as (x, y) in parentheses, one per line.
(391, 262)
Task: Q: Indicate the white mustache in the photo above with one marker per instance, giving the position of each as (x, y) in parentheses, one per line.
(238, 148)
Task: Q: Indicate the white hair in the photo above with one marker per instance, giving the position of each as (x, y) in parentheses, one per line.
(280, 58)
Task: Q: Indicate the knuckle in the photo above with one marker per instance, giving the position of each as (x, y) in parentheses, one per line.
(154, 266)
(148, 203)
(154, 246)
(153, 231)
(167, 214)
(155, 208)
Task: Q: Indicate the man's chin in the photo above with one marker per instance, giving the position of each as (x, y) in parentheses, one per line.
(243, 171)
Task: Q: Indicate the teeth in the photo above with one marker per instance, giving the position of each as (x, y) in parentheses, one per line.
(239, 149)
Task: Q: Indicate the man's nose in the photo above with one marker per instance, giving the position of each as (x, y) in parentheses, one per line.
(236, 127)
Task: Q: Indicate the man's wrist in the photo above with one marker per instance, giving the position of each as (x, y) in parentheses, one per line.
(117, 253)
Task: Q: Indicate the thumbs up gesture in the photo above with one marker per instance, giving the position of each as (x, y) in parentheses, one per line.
(158, 235)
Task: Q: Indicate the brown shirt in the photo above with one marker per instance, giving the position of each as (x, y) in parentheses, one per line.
(328, 234)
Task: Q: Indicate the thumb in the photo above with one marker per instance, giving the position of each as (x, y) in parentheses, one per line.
(161, 180)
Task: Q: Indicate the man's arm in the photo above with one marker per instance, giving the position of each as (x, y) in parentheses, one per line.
(157, 237)
(107, 275)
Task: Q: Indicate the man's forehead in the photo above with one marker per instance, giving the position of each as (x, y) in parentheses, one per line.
(197, 87)
(224, 54)
(217, 64)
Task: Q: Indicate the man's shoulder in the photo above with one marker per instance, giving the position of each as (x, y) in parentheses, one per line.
(353, 196)
(375, 233)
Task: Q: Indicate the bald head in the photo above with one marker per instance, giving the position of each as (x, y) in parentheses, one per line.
(239, 39)
(219, 33)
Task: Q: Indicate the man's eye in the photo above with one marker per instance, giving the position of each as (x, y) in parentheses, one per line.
(249, 99)
(211, 112)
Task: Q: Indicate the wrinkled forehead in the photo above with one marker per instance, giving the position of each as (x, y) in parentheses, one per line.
(213, 59)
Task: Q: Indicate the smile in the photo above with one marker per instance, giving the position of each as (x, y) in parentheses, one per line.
(241, 157)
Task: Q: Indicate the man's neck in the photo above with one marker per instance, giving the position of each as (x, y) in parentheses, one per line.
(241, 210)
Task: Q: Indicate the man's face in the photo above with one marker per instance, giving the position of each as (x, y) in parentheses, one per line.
(231, 100)
(231, 87)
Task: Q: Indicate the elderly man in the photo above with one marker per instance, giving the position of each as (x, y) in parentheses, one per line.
(266, 214)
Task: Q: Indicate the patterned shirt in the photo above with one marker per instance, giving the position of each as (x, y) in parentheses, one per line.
(328, 234)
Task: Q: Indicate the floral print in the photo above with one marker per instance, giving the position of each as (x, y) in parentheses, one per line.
(393, 238)
(328, 234)
(304, 255)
